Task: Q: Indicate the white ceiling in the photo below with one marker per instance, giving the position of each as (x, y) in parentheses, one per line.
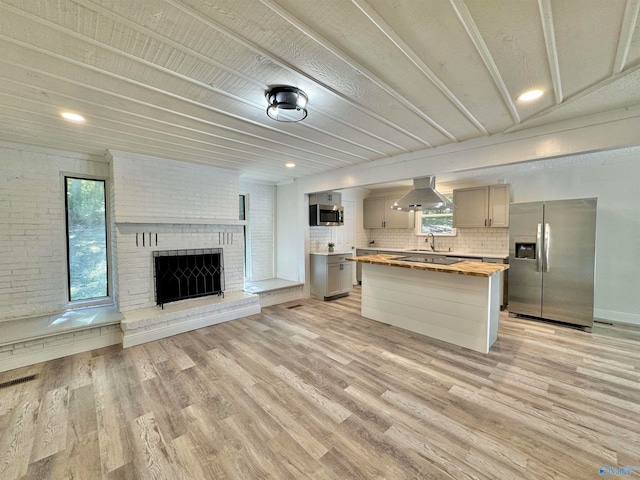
(186, 79)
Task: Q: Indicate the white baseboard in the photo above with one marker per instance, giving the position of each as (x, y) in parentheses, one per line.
(59, 351)
(131, 338)
(619, 317)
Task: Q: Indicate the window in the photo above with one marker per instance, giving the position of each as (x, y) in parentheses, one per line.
(243, 216)
(86, 238)
(437, 222)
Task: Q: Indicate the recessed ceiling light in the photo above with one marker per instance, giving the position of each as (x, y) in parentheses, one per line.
(72, 117)
(289, 164)
(530, 95)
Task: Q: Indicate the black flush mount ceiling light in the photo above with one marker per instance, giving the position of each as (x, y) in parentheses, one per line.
(286, 104)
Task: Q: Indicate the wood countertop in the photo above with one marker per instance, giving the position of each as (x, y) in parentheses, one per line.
(478, 269)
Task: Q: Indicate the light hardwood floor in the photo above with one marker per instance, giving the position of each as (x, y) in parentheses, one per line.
(318, 392)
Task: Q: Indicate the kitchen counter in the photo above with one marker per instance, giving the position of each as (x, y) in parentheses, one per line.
(447, 253)
(462, 309)
(331, 253)
(478, 269)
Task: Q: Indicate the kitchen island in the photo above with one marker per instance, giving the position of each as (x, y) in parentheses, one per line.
(457, 303)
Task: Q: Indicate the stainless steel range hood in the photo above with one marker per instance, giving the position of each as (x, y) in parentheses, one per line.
(423, 197)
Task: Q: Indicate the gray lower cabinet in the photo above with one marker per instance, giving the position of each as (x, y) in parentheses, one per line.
(331, 275)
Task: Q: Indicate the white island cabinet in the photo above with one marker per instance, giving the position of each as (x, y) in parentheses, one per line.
(458, 303)
(331, 275)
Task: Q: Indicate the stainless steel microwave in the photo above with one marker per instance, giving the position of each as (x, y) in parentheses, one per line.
(326, 215)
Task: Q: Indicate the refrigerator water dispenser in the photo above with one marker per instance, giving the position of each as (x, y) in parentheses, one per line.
(526, 250)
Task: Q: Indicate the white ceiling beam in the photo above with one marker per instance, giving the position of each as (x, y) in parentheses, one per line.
(97, 134)
(577, 96)
(472, 30)
(627, 29)
(181, 141)
(195, 54)
(408, 52)
(180, 114)
(613, 130)
(92, 134)
(199, 84)
(290, 68)
(191, 102)
(546, 17)
(351, 62)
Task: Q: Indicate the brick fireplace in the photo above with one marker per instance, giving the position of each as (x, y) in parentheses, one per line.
(177, 207)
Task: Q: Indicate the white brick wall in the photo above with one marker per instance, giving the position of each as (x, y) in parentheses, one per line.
(32, 236)
(29, 352)
(155, 192)
(147, 187)
(260, 202)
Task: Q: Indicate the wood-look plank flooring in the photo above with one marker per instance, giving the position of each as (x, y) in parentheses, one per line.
(317, 391)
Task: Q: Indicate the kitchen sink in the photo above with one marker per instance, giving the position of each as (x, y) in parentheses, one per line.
(435, 261)
(428, 250)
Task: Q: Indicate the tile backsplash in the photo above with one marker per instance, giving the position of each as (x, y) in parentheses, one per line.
(318, 238)
(476, 240)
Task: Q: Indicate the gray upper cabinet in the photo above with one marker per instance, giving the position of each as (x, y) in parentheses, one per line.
(486, 206)
(377, 213)
(325, 198)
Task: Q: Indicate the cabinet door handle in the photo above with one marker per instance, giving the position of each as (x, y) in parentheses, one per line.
(490, 220)
(485, 222)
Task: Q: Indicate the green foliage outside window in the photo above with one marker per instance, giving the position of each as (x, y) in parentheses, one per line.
(87, 238)
(438, 222)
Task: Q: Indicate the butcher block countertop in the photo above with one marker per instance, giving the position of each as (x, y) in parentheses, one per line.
(478, 269)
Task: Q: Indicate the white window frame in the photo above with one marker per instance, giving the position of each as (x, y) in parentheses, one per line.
(93, 302)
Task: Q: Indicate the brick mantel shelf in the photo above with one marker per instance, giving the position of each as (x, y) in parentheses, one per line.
(178, 221)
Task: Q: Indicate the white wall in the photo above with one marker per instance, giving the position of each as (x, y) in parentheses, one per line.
(33, 262)
(260, 209)
(292, 233)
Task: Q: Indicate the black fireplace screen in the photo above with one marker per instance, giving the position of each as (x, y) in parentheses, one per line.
(182, 274)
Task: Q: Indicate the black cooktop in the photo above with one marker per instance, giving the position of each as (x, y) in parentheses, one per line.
(434, 260)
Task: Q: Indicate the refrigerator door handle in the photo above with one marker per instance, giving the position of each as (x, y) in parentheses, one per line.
(538, 247)
(547, 245)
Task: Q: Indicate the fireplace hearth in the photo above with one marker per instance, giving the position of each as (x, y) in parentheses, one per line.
(184, 274)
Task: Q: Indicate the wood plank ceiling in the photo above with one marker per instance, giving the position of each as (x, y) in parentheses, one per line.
(186, 79)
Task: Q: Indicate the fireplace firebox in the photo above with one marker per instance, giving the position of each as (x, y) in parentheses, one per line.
(183, 274)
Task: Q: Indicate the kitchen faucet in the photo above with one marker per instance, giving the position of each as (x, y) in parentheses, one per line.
(433, 241)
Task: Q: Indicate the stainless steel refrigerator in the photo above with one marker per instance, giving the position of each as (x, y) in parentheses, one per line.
(552, 260)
